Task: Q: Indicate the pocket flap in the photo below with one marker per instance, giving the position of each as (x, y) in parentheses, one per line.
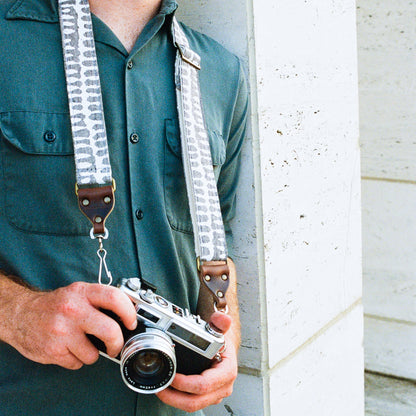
(216, 142)
(38, 133)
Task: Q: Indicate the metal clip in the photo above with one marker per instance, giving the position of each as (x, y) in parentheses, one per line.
(102, 254)
(99, 236)
(223, 310)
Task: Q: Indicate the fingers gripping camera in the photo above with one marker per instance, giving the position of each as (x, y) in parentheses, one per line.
(167, 339)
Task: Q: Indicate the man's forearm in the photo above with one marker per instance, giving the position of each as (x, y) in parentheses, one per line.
(234, 332)
(50, 327)
(13, 293)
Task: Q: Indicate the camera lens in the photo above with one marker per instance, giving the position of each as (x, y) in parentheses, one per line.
(148, 362)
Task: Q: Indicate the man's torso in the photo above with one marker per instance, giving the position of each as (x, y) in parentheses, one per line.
(44, 237)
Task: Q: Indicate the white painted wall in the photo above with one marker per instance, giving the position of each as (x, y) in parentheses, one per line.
(298, 239)
(387, 64)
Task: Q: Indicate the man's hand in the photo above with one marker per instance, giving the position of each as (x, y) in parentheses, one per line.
(195, 392)
(51, 327)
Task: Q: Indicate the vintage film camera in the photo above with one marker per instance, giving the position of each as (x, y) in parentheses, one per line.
(168, 339)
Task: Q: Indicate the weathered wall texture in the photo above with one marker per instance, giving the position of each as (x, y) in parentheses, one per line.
(308, 130)
(387, 65)
(298, 228)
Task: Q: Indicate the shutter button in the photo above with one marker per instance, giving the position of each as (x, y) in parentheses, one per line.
(134, 284)
(49, 136)
(139, 214)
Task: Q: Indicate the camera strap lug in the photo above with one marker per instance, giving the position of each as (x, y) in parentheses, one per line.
(215, 277)
(147, 285)
(96, 203)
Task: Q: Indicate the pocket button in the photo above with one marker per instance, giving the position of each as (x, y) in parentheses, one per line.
(49, 136)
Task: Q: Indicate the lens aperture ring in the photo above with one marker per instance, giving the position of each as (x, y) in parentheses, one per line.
(136, 361)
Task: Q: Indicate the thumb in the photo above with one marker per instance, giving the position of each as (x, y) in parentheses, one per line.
(220, 321)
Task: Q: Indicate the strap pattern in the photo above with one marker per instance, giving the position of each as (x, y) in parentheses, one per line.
(84, 94)
(209, 235)
(89, 134)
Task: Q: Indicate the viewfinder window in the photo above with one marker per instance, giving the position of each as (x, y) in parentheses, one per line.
(188, 336)
(148, 315)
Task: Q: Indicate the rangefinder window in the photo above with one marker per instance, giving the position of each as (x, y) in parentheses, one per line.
(187, 336)
(148, 315)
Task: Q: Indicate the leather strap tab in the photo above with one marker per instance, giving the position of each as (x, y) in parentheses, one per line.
(215, 275)
(96, 204)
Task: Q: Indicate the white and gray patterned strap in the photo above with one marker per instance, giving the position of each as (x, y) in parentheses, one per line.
(210, 243)
(84, 94)
(91, 149)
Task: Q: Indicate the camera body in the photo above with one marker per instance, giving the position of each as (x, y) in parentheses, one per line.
(184, 328)
(167, 339)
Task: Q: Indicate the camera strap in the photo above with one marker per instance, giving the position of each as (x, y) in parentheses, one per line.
(95, 185)
(204, 205)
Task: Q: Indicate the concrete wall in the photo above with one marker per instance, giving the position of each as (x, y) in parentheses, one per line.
(298, 239)
(387, 67)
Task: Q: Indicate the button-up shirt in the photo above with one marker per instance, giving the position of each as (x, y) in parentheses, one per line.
(44, 238)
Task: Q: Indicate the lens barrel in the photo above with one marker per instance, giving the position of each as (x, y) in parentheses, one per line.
(148, 361)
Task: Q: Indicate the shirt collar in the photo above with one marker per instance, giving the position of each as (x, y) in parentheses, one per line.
(47, 10)
(168, 7)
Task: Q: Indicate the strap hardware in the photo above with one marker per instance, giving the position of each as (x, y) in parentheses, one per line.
(102, 254)
(215, 275)
(96, 204)
(113, 184)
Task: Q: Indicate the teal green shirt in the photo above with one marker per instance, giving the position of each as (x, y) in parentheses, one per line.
(44, 238)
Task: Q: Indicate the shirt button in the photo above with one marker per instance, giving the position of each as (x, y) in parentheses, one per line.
(49, 136)
(129, 64)
(139, 214)
(134, 138)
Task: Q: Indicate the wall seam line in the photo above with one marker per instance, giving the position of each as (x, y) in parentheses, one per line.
(316, 335)
(392, 377)
(386, 319)
(376, 179)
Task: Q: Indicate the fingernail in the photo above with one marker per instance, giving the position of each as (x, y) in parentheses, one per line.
(134, 325)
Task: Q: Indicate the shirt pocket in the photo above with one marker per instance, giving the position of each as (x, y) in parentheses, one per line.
(176, 198)
(38, 173)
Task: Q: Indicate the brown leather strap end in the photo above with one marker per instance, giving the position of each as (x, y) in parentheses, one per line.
(96, 204)
(215, 276)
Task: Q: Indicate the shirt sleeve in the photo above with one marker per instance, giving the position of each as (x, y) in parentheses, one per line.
(231, 169)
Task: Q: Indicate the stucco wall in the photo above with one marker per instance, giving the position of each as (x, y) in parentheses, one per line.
(387, 65)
